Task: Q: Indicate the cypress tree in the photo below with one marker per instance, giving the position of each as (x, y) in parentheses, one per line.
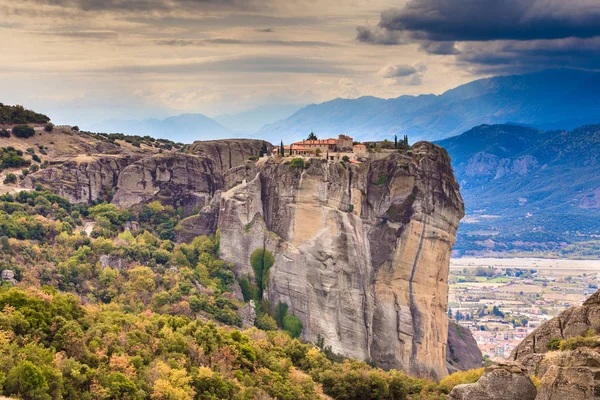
(281, 150)
(395, 141)
(291, 145)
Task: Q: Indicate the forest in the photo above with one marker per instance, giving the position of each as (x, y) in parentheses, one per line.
(127, 313)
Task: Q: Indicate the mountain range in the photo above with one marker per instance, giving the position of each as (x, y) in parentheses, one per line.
(552, 99)
(561, 99)
(528, 190)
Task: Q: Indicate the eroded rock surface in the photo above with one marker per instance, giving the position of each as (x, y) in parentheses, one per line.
(573, 322)
(81, 179)
(499, 382)
(362, 251)
(462, 352)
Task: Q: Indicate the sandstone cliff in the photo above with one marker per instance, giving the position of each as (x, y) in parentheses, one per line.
(462, 352)
(362, 251)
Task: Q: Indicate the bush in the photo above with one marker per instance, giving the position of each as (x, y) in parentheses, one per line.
(462, 377)
(554, 344)
(23, 131)
(297, 163)
(49, 127)
(346, 159)
(75, 128)
(4, 133)
(261, 260)
(266, 323)
(10, 178)
(36, 158)
(580, 341)
(292, 325)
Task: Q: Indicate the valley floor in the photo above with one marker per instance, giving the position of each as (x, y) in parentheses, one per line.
(502, 300)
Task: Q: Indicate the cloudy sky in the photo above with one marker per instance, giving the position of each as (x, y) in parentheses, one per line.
(82, 61)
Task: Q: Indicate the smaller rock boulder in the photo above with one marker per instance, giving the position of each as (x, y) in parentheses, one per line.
(462, 353)
(248, 314)
(8, 276)
(506, 381)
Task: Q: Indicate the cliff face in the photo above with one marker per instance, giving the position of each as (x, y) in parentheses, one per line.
(81, 179)
(362, 251)
(462, 352)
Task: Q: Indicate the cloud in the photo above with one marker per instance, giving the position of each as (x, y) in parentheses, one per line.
(157, 5)
(404, 73)
(229, 41)
(475, 30)
(97, 35)
(244, 64)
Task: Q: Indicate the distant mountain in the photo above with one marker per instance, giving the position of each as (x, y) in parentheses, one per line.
(562, 99)
(252, 120)
(184, 128)
(528, 190)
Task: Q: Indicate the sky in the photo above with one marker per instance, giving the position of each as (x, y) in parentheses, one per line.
(84, 61)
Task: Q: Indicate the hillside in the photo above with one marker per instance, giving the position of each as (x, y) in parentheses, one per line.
(563, 99)
(10, 115)
(528, 190)
(184, 128)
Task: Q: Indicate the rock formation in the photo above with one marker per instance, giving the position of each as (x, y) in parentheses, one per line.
(573, 322)
(362, 251)
(462, 351)
(81, 179)
(499, 382)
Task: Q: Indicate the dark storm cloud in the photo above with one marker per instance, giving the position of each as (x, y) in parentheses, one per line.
(495, 33)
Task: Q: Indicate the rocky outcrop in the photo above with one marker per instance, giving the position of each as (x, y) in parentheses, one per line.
(498, 382)
(361, 251)
(8, 275)
(81, 179)
(248, 315)
(573, 375)
(175, 179)
(573, 322)
(462, 351)
(229, 153)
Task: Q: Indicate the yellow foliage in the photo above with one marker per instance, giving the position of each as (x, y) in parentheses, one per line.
(535, 380)
(461, 377)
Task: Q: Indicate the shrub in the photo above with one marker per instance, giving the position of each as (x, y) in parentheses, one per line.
(49, 127)
(261, 260)
(346, 159)
(292, 325)
(23, 131)
(4, 133)
(10, 178)
(266, 323)
(381, 181)
(297, 163)
(554, 344)
(36, 158)
(75, 128)
(461, 377)
(580, 341)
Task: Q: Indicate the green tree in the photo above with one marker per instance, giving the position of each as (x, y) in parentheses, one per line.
(26, 380)
(312, 136)
(49, 127)
(23, 131)
(395, 141)
(10, 178)
(281, 149)
(4, 133)
(261, 260)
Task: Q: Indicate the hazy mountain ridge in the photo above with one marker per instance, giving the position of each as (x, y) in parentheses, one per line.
(527, 189)
(525, 99)
(184, 128)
